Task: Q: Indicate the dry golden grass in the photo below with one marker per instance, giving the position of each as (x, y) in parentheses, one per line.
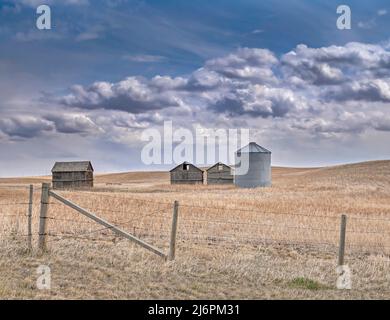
(232, 243)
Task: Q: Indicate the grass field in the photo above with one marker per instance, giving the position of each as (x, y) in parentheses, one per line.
(278, 242)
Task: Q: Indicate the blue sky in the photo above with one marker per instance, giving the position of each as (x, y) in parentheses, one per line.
(108, 41)
(184, 33)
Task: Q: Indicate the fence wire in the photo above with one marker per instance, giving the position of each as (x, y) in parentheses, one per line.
(312, 240)
(150, 219)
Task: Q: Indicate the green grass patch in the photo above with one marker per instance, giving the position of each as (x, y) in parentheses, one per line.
(305, 283)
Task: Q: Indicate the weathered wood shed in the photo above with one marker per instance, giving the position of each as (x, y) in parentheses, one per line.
(72, 175)
(186, 173)
(219, 173)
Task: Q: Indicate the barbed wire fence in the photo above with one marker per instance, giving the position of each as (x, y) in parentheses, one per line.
(16, 212)
(150, 220)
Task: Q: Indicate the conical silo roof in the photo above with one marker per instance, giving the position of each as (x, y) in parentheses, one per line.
(253, 147)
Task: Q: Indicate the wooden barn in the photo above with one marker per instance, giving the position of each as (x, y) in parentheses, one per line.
(72, 175)
(219, 173)
(186, 173)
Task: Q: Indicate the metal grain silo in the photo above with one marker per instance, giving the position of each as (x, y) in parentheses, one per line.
(253, 167)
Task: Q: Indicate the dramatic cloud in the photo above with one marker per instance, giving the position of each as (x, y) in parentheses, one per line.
(73, 123)
(254, 83)
(245, 64)
(325, 92)
(134, 94)
(344, 122)
(366, 90)
(260, 101)
(336, 64)
(24, 126)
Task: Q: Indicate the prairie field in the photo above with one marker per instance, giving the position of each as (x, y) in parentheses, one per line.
(268, 243)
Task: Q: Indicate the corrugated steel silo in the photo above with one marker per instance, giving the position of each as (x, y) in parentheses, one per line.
(253, 167)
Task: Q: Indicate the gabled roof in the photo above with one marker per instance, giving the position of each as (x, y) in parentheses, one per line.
(185, 162)
(218, 163)
(253, 147)
(73, 166)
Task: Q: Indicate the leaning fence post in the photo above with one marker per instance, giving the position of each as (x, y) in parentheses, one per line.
(343, 227)
(29, 216)
(43, 215)
(172, 244)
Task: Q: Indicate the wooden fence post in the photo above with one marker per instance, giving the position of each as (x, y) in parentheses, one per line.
(343, 228)
(29, 223)
(172, 244)
(45, 197)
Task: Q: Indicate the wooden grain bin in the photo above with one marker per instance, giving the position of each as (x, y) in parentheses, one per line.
(186, 173)
(72, 175)
(219, 173)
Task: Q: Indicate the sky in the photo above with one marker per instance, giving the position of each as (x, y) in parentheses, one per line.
(110, 69)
